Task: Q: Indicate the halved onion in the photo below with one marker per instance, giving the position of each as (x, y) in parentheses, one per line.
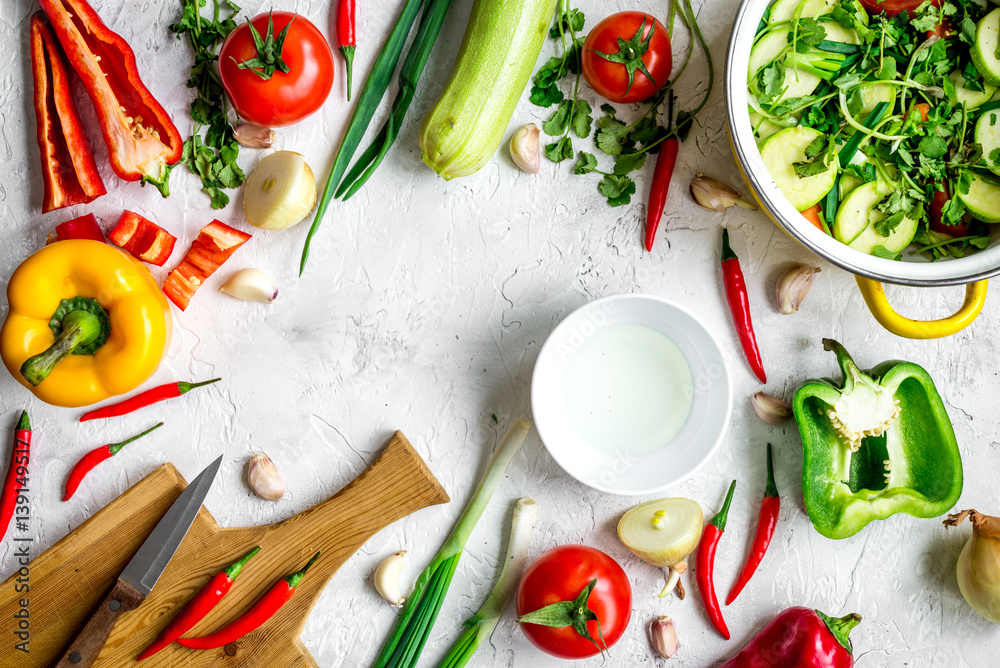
(663, 533)
(280, 192)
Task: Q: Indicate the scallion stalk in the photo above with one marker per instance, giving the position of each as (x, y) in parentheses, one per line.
(413, 627)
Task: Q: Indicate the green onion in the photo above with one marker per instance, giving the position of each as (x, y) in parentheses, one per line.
(481, 625)
(413, 627)
(851, 147)
(837, 47)
(831, 202)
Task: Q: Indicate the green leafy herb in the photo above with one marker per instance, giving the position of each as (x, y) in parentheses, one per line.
(571, 21)
(585, 164)
(618, 189)
(817, 158)
(571, 114)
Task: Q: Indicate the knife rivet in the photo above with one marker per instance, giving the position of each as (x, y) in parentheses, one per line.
(75, 657)
(115, 604)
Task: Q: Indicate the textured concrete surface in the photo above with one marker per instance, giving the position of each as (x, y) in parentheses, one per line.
(423, 309)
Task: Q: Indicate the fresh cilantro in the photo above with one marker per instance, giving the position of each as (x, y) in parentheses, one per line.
(628, 162)
(771, 82)
(887, 72)
(685, 119)
(817, 158)
(611, 134)
(571, 115)
(581, 119)
(585, 164)
(559, 120)
(806, 33)
(545, 97)
(618, 189)
(933, 146)
(571, 21)
(881, 251)
(559, 150)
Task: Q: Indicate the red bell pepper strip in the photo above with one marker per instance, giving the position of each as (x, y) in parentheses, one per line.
(95, 457)
(69, 172)
(199, 606)
(739, 304)
(262, 610)
(143, 399)
(662, 173)
(84, 227)
(142, 140)
(215, 244)
(803, 638)
(705, 565)
(17, 472)
(767, 521)
(346, 38)
(143, 238)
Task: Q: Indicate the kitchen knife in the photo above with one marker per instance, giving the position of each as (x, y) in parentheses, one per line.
(141, 574)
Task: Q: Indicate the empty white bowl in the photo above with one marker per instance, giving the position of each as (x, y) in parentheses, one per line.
(630, 469)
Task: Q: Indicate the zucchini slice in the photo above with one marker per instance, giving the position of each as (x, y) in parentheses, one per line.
(769, 48)
(854, 224)
(984, 51)
(988, 136)
(780, 151)
(983, 198)
(763, 127)
(972, 99)
(784, 10)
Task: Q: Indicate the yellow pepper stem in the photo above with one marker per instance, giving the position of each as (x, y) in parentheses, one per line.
(79, 328)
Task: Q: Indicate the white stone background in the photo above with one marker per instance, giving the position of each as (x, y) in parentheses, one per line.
(423, 309)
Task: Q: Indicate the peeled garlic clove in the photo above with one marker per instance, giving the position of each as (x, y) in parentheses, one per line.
(793, 286)
(770, 409)
(524, 148)
(387, 577)
(714, 195)
(663, 636)
(250, 285)
(254, 136)
(264, 478)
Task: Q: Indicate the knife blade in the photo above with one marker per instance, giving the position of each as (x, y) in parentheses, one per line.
(140, 575)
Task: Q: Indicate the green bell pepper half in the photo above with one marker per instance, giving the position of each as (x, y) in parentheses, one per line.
(879, 444)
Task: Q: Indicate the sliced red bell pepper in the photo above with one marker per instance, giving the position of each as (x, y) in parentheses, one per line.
(215, 244)
(142, 140)
(69, 173)
(84, 227)
(143, 238)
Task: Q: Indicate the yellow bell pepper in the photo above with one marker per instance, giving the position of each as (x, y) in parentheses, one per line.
(85, 322)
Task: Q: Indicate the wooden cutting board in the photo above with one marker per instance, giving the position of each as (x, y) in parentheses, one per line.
(72, 576)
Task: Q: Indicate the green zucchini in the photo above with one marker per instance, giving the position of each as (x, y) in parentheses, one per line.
(988, 136)
(856, 218)
(984, 51)
(972, 99)
(983, 198)
(501, 45)
(780, 151)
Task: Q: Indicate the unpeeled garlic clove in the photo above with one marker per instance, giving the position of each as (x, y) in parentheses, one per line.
(524, 148)
(663, 636)
(793, 286)
(254, 136)
(770, 409)
(714, 195)
(387, 577)
(264, 478)
(250, 285)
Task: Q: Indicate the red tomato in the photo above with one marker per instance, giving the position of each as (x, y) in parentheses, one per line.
(283, 99)
(893, 7)
(935, 213)
(610, 80)
(560, 575)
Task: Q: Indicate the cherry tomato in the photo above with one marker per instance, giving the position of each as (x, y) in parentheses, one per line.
(935, 213)
(285, 98)
(892, 7)
(610, 79)
(560, 575)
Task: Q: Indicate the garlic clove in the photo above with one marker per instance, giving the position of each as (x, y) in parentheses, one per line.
(663, 636)
(250, 285)
(387, 577)
(524, 148)
(770, 409)
(714, 195)
(254, 136)
(793, 286)
(264, 478)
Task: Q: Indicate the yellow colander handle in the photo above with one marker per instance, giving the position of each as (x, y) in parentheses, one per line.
(878, 304)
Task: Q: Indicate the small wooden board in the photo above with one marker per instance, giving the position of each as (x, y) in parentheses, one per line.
(72, 576)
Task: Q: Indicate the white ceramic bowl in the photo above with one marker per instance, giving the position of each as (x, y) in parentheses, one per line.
(698, 438)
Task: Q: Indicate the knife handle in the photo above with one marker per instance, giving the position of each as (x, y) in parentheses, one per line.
(89, 642)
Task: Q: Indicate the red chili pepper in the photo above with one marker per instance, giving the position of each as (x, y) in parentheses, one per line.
(739, 304)
(199, 606)
(346, 38)
(95, 457)
(84, 227)
(143, 238)
(142, 140)
(767, 521)
(69, 172)
(664, 169)
(16, 479)
(143, 399)
(262, 610)
(803, 638)
(705, 566)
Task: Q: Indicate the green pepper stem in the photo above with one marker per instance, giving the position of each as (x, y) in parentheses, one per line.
(113, 448)
(234, 568)
(24, 424)
(771, 489)
(840, 628)
(294, 579)
(844, 359)
(184, 387)
(79, 328)
(719, 521)
(727, 251)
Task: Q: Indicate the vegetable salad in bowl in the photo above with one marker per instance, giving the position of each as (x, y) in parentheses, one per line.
(880, 122)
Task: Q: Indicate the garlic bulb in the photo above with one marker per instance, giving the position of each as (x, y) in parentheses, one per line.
(770, 409)
(978, 566)
(524, 148)
(387, 577)
(264, 478)
(714, 195)
(793, 286)
(253, 136)
(250, 285)
(663, 636)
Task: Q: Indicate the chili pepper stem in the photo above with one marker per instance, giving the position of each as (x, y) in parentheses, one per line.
(719, 521)
(78, 329)
(348, 52)
(294, 579)
(114, 448)
(841, 627)
(771, 490)
(24, 424)
(727, 250)
(233, 569)
(184, 387)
